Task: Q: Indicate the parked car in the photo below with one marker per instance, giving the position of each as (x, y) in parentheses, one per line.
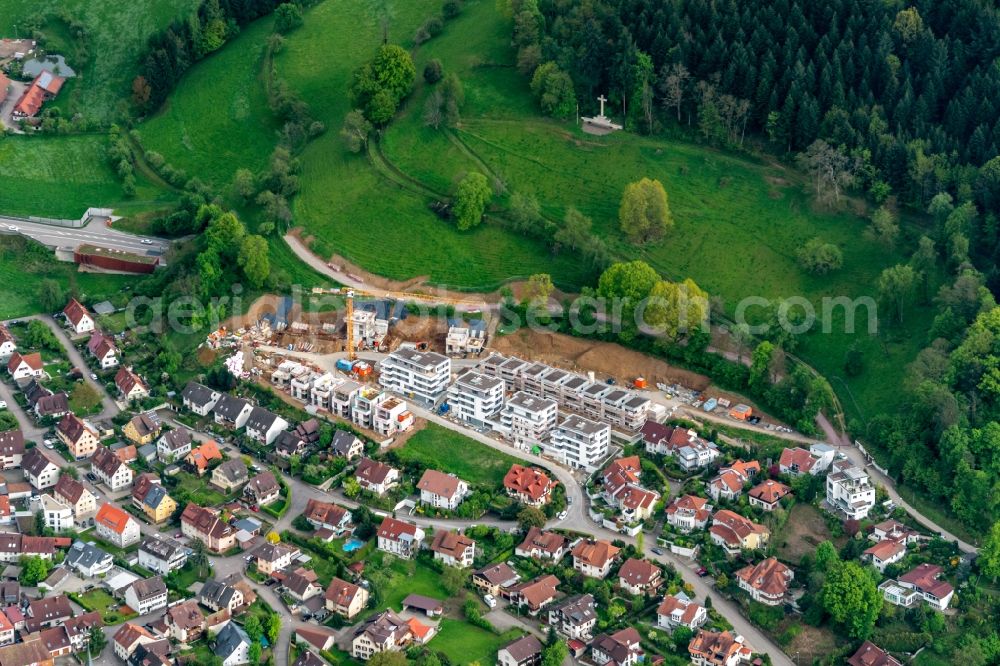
(562, 515)
(93, 376)
(656, 551)
(490, 600)
(146, 241)
(702, 572)
(91, 477)
(3, 404)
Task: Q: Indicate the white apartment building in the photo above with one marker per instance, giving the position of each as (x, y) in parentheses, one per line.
(342, 398)
(423, 376)
(368, 328)
(58, 515)
(475, 398)
(366, 402)
(392, 415)
(528, 421)
(321, 393)
(580, 442)
(849, 490)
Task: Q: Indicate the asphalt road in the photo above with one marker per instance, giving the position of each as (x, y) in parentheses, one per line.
(96, 232)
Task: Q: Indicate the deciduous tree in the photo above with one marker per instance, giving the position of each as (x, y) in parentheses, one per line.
(852, 599)
(254, 260)
(644, 214)
(819, 258)
(355, 131)
(470, 200)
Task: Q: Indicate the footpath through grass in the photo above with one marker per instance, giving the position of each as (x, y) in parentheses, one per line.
(439, 448)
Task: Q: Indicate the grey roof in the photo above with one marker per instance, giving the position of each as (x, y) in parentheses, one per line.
(216, 593)
(524, 648)
(234, 470)
(289, 442)
(578, 609)
(582, 425)
(261, 419)
(478, 382)
(104, 308)
(34, 461)
(528, 401)
(149, 588)
(198, 394)
(229, 407)
(85, 555)
(342, 442)
(229, 639)
(178, 438)
(426, 360)
(162, 548)
(154, 496)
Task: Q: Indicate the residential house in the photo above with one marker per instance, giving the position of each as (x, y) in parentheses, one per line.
(40, 471)
(110, 469)
(384, 632)
(129, 637)
(542, 545)
(376, 477)
(13, 546)
(25, 366)
(31, 652)
(185, 621)
(711, 648)
(102, 348)
(11, 449)
(440, 490)
(688, 513)
(232, 412)
(88, 559)
(146, 596)
(75, 494)
(795, 461)
(423, 376)
(57, 514)
(475, 398)
(346, 445)
(230, 475)
(161, 555)
(536, 594)
(130, 385)
(116, 526)
(528, 485)
(922, 583)
(301, 584)
(345, 599)
(574, 617)
(453, 549)
(734, 532)
(525, 651)
(79, 436)
(639, 576)
(324, 515)
(528, 420)
(768, 495)
(47, 612)
(399, 538)
(315, 639)
(143, 428)
(174, 445)
(217, 596)
(200, 458)
(6, 629)
(895, 531)
(766, 582)
(309, 658)
(272, 557)
(884, 553)
(594, 558)
(870, 654)
(43, 402)
(207, 526)
(199, 398)
(263, 426)
(78, 317)
(691, 451)
(262, 489)
(8, 345)
(78, 629)
(150, 497)
(621, 490)
(680, 611)
(495, 579)
(232, 645)
(849, 491)
(619, 649)
(288, 444)
(728, 484)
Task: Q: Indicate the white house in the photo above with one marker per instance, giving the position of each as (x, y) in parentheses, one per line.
(232, 412)
(109, 468)
(528, 420)
(116, 526)
(232, 645)
(475, 398)
(679, 611)
(39, 470)
(78, 317)
(444, 491)
(884, 553)
(7, 343)
(25, 366)
(103, 349)
(264, 426)
(161, 555)
(58, 514)
(453, 549)
(399, 538)
(200, 399)
(580, 442)
(174, 445)
(849, 490)
(88, 559)
(146, 596)
(422, 376)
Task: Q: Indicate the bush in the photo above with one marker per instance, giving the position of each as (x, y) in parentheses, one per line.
(433, 71)
(451, 9)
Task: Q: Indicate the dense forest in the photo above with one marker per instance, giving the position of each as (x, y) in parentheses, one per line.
(903, 96)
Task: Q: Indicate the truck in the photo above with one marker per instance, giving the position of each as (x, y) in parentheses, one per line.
(344, 365)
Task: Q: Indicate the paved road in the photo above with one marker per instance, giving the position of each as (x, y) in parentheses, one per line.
(95, 232)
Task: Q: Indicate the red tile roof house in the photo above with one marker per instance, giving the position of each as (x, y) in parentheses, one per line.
(679, 611)
(768, 494)
(453, 549)
(884, 553)
(130, 385)
(399, 538)
(542, 545)
(621, 490)
(45, 86)
(734, 532)
(894, 530)
(594, 558)
(205, 525)
(78, 317)
(116, 526)
(799, 461)
(870, 654)
(345, 599)
(23, 367)
(709, 648)
(102, 348)
(689, 513)
(639, 576)
(444, 491)
(728, 484)
(766, 582)
(8, 345)
(619, 649)
(528, 485)
(535, 594)
(327, 516)
(376, 477)
(924, 578)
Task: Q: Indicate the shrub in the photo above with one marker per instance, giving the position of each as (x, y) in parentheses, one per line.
(451, 9)
(433, 71)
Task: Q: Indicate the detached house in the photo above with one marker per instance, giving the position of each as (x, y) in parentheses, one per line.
(230, 475)
(691, 451)
(26, 366)
(535, 594)
(11, 449)
(327, 516)
(453, 549)
(729, 483)
(110, 469)
(385, 632)
(444, 491)
(199, 399)
(262, 489)
(346, 445)
(528, 485)
(232, 412)
(495, 579)
(161, 555)
(795, 461)
(143, 428)
(622, 490)
(288, 444)
(202, 457)
(542, 545)
(710, 648)
(679, 611)
(766, 582)
(130, 385)
(301, 584)
(525, 651)
(376, 477)
(128, 638)
(870, 654)
(688, 513)
(78, 317)
(734, 532)
(849, 491)
(272, 557)
(218, 596)
(39, 470)
(146, 596)
(399, 538)
(232, 645)
(768, 495)
(884, 553)
(619, 649)
(639, 576)
(150, 497)
(207, 526)
(75, 494)
(57, 514)
(185, 621)
(174, 445)
(116, 526)
(79, 436)
(7, 344)
(594, 558)
(922, 583)
(263, 426)
(102, 348)
(574, 617)
(345, 599)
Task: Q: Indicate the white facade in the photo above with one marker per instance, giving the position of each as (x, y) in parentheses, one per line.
(527, 420)
(474, 398)
(849, 490)
(366, 402)
(392, 415)
(423, 376)
(580, 442)
(58, 514)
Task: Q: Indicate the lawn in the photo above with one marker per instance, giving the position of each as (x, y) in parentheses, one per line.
(406, 578)
(101, 600)
(465, 643)
(198, 489)
(439, 448)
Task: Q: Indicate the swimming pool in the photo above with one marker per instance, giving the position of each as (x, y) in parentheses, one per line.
(353, 544)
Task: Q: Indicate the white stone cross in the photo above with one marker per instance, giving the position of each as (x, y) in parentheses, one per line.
(602, 99)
